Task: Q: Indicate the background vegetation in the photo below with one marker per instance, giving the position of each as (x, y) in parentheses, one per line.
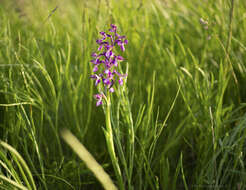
(185, 96)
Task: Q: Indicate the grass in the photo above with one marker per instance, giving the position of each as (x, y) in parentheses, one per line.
(179, 123)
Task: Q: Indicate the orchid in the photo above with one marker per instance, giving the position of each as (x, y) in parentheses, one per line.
(106, 60)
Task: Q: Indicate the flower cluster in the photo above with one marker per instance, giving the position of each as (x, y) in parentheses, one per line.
(106, 61)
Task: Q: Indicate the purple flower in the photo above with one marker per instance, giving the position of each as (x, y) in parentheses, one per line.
(113, 28)
(94, 55)
(119, 58)
(98, 97)
(111, 90)
(106, 60)
(97, 78)
(95, 69)
(120, 76)
(121, 43)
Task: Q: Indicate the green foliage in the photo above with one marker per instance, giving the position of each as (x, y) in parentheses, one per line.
(178, 123)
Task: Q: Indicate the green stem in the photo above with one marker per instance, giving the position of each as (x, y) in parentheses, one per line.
(229, 36)
(228, 44)
(110, 145)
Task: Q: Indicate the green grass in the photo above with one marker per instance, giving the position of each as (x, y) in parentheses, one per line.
(179, 123)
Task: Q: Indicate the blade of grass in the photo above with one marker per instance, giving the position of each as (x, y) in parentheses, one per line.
(89, 160)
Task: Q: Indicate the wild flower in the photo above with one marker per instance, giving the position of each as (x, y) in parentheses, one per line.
(204, 23)
(208, 27)
(106, 61)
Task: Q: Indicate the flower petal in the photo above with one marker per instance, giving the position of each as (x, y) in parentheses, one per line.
(94, 54)
(119, 58)
(95, 69)
(97, 82)
(111, 90)
(122, 47)
(120, 81)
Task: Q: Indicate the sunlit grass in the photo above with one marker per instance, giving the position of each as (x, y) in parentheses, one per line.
(179, 121)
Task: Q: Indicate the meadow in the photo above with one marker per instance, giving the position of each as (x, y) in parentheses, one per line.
(178, 122)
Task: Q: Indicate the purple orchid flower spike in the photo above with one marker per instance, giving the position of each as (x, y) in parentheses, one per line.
(106, 61)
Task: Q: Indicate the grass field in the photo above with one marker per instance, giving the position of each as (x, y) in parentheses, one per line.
(179, 122)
